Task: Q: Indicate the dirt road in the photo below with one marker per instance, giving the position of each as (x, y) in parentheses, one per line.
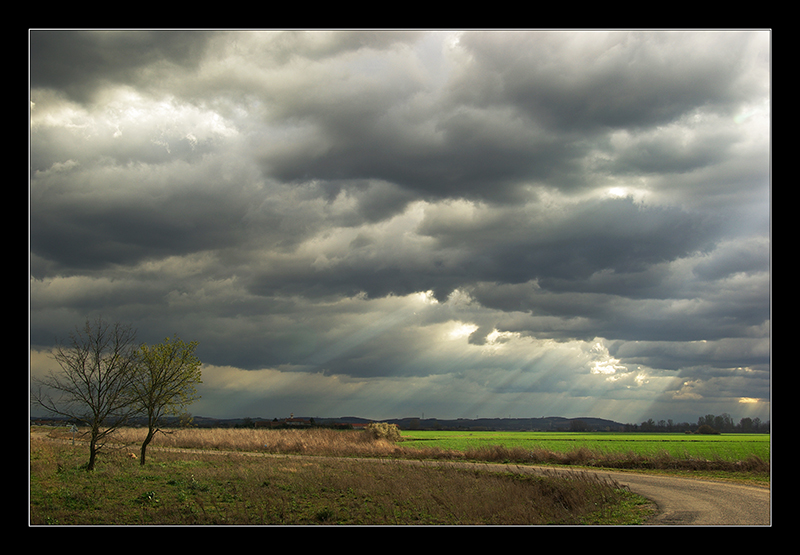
(685, 501)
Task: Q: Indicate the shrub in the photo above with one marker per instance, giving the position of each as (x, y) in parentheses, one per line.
(706, 429)
(383, 430)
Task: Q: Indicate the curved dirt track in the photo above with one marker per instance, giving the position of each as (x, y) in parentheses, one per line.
(685, 501)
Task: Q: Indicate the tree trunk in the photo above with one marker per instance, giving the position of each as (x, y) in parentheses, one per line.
(145, 443)
(92, 454)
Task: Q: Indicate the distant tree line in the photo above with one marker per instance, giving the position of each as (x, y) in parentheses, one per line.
(709, 423)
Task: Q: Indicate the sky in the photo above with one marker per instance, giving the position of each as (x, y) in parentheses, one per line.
(431, 223)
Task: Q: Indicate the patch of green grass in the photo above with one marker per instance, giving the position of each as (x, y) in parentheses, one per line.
(723, 446)
(735, 456)
(630, 509)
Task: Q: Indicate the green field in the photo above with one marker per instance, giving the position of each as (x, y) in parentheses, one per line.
(728, 447)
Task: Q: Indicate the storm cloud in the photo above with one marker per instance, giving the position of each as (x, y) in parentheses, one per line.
(385, 223)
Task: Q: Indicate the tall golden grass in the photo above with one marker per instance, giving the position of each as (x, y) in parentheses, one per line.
(314, 441)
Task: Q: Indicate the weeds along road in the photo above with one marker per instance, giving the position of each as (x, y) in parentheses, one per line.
(678, 501)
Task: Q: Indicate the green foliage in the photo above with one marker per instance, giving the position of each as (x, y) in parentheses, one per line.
(705, 429)
(148, 498)
(165, 383)
(169, 374)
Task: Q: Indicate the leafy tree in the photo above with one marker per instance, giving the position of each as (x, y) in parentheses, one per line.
(578, 426)
(94, 387)
(165, 383)
(706, 429)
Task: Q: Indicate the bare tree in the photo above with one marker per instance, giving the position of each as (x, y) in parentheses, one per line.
(94, 385)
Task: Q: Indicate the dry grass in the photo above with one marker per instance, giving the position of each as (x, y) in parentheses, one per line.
(584, 456)
(315, 441)
(382, 444)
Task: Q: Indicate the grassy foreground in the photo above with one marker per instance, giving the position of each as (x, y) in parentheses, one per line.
(241, 484)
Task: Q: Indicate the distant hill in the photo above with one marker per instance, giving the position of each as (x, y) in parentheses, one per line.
(545, 424)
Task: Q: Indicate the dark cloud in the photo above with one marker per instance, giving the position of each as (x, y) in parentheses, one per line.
(383, 221)
(610, 79)
(93, 219)
(79, 63)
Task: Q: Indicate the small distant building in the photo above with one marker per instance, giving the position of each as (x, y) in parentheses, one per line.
(297, 422)
(290, 422)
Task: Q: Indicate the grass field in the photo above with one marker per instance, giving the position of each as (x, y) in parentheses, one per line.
(725, 447)
(241, 477)
(204, 487)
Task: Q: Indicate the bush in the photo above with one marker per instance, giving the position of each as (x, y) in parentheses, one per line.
(383, 430)
(706, 429)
